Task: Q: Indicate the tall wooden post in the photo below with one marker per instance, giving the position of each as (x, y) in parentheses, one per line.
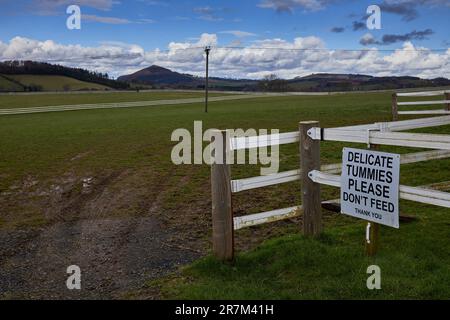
(394, 107)
(310, 160)
(207, 50)
(373, 236)
(222, 209)
(447, 97)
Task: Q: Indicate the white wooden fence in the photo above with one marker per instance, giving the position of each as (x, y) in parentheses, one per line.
(396, 104)
(224, 224)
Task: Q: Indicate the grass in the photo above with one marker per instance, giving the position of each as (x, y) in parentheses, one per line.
(8, 85)
(56, 83)
(44, 147)
(414, 264)
(43, 144)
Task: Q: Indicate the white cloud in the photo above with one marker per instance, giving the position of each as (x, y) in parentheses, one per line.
(367, 39)
(51, 6)
(114, 20)
(290, 5)
(287, 59)
(108, 20)
(239, 33)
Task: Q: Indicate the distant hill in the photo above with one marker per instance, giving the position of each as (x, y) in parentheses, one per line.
(17, 76)
(160, 78)
(39, 76)
(158, 75)
(357, 82)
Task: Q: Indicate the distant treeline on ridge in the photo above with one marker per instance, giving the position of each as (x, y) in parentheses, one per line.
(42, 68)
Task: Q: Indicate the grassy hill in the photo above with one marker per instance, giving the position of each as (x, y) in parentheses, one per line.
(54, 83)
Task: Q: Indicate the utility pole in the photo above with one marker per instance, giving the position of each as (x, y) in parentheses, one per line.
(207, 50)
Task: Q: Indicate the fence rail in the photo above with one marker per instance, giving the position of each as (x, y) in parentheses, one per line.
(415, 140)
(241, 143)
(416, 194)
(294, 175)
(292, 212)
(265, 217)
(402, 125)
(424, 112)
(422, 93)
(423, 103)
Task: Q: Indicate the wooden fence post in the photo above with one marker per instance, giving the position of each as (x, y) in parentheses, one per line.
(394, 107)
(222, 209)
(447, 97)
(310, 160)
(373, 236)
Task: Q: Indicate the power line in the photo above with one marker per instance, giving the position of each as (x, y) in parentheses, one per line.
(306, 49)
(325, 49)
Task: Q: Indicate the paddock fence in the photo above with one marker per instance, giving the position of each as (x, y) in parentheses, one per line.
(312, 174)
(396, 103)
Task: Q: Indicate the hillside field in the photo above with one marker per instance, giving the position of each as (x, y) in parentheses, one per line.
(71, 182)
(56, 83)
(8, 85)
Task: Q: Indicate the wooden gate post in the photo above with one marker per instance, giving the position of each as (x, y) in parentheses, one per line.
(222, 209)
(447, 97)
(310, 160)
(394, 107)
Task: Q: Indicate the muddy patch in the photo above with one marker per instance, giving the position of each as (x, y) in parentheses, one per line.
(116, 256)
(122, 228)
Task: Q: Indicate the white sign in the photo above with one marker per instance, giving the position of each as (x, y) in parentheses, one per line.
(369, 186)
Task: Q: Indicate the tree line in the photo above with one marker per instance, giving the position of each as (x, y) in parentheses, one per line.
(42, 68)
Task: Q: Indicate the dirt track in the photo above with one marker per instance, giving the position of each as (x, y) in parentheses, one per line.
(113, 228)
(116, 257)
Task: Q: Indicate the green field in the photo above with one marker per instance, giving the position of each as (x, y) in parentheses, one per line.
(55, 99)
(56, 83)
(39, 151)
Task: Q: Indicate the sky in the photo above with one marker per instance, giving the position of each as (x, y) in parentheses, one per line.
(249, 38)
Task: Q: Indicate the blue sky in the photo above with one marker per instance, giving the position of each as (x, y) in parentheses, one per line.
(151, 24)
